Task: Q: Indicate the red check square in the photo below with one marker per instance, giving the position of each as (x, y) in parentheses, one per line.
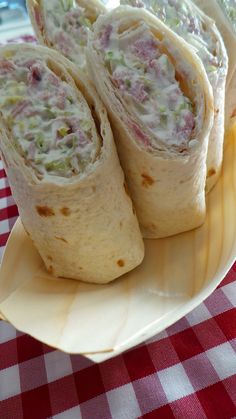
(138, 363)
(186, 344)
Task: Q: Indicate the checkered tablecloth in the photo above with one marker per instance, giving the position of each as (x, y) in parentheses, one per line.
(187, 371)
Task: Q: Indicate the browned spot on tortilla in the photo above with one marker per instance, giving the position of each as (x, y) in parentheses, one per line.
(121, 262)
(217, 111)
(62, 239)
(211, 172)
(233, 113)
(50, 269)
(44, 211)
(94, 188)
(49, 258)
(65, 211)
(121, 224)
(126, 190)
(147, 180)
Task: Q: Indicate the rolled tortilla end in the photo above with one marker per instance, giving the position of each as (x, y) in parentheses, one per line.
(160, 105)
(63, 168)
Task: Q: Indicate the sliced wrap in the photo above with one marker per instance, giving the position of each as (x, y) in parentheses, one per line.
(224, 14)
(189, 22)
(64, 25)
(160, 105)
(63, 168)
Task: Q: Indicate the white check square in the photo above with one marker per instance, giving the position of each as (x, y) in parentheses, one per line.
(175, 382)
(123, 403)
(58, 365)
(223, 359)
(9, 382)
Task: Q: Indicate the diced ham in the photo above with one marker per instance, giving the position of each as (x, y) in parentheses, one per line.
(105, 36)
(6, 66)
(185, 128)
(138, 91)
(61, 100)
(63, 42)
(35, 75)
(53, 80)
(19, 108)
(139, 133)
(146, 49)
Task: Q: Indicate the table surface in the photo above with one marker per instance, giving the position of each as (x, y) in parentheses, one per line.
(187, 371)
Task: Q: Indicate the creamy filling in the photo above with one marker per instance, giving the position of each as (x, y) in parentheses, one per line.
(51, 128)
(67, 28)
(146, 79)
(229, 7)
(179, 16)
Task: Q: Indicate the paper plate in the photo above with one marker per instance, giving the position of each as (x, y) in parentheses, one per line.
(101, 321)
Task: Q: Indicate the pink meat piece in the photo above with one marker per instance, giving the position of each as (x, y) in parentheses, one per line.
(35, 74)
(19, 108)
(139, 133)
(53, 80)
(6, 66)
(61, 100)
(64, 42)
(146, 49)
(105, 36)
(189, 123)
(136, 89)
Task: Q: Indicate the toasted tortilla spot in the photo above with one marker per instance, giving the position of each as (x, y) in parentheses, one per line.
(44, 211)
(65, 211)
(217, 111)
(233, 113)
(147, 180)
(211, 172)
(49, 258)
(50, 269)
(121, 263)
(121, 224)
(62, 239)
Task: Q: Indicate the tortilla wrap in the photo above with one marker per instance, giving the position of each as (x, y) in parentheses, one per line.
(77, 211)
(167, 182)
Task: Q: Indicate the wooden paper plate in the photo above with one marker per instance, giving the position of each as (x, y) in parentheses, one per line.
(101, 321)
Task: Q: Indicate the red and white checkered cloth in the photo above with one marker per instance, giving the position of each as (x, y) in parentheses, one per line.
(187, 371)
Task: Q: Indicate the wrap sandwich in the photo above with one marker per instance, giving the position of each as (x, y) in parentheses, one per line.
(189, 22)
(160, 106)
(63, 168)
(64, 25)
(224, 14)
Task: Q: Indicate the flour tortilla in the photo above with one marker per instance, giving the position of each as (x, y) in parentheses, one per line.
(83, 227)
(228, 32)
(167, 187)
